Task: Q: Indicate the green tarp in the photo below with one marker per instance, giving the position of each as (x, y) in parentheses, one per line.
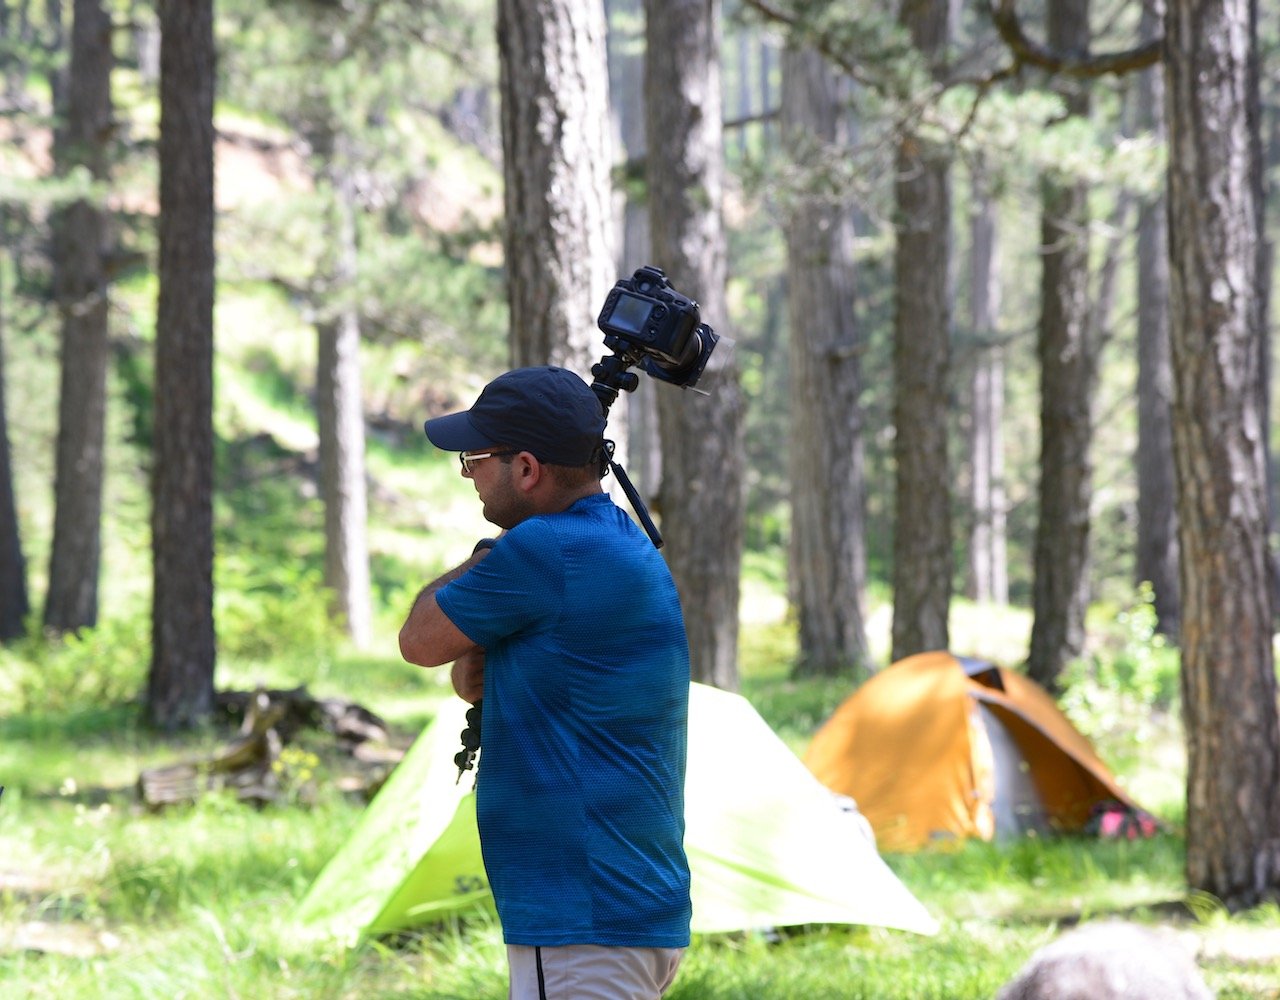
(768, 845)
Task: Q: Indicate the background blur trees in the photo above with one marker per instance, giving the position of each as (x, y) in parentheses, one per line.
(82, 143)
(827, 555)
(701, 496)
(1068, 355)
(14, 602)
(180, 685)
(922, 556)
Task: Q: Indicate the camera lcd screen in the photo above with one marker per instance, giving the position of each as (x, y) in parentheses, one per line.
(630, 313)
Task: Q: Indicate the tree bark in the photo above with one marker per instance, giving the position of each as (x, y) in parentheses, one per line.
(1068, 361)
(340, 418)
(626, 72)
(922, 559)
(180, 686)
(701, 500)
(988, 566)
(1156, 558)
(556, 158)
(14, 601)
(80, 288)
(827, 551)
(1228, 670)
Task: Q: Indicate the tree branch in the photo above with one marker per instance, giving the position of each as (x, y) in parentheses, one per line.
(1031, 53)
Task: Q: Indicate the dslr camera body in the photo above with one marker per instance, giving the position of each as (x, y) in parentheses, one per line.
(646, 322)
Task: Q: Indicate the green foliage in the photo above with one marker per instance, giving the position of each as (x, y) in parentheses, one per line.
(1133, 673)
(98, 666)
(272, 611)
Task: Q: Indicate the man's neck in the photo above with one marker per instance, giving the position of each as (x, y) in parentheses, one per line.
(566, 500)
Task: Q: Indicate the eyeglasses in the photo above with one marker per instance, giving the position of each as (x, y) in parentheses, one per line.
(468, 459)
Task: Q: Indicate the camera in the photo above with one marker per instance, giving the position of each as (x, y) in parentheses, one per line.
(650, 324)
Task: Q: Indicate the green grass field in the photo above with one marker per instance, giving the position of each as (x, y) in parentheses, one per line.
(99, 898)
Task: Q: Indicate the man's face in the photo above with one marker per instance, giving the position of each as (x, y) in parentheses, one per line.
(494, 479)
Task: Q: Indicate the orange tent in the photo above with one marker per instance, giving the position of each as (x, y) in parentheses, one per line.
(938, 747)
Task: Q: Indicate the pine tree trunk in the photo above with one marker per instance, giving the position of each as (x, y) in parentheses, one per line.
(988, 566)
(556, 158)
(340, 418)
(827, 553)
(701, 501)
(1157, 546)
(180, 687)
(80, 288)
(1067, 376)
(1228, 670)
(922, 558)
(14, 602)
(626, 73)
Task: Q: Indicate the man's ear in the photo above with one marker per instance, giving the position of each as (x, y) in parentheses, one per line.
(526, 471)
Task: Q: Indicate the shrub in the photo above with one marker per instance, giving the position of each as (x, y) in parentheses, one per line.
(273, 611)
(99, 666)
(1134, 672)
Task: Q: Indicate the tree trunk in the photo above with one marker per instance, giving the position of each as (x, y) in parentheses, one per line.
(828, 554)
(988, 566)
(180, 686)
(1228, 670)
(1157, 547)
(922, 559)
(626, 72)
(340, 418)
(744, 40)
(556, 159)
(80, 288)
(14, 603)
(1068, 361)
(701, 501)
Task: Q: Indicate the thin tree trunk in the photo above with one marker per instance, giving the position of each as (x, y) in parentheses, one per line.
(922, 558)
(626, 63)
(988, 566)
(80, 288)
(340, 412)
(14, 603)
(1068, 360)
(1157, 517)
(701, 501)
(180, 689)
(827, 552)
(766, 47)
(744, 46)
(1228, 669)
(1157, 547)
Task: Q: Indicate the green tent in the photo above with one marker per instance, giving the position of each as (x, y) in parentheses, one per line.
(768, 845)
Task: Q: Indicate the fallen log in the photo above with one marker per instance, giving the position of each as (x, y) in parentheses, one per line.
(248, 764)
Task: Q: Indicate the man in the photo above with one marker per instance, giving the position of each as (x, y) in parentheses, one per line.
(569, 627)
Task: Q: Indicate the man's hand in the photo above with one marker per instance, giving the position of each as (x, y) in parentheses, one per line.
(467, 675)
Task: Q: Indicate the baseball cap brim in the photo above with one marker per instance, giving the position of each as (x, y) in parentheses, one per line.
(455, 432)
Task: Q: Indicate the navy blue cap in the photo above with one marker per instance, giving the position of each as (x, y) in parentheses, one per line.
(548, 411)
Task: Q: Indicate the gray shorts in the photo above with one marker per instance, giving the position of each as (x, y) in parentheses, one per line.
(591, 972)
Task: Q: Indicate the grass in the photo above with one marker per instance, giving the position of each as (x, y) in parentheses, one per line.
(101, 899)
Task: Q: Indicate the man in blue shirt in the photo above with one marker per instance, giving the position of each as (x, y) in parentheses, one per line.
(568, 626)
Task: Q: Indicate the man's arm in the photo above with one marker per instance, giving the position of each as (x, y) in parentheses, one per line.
(427, 637)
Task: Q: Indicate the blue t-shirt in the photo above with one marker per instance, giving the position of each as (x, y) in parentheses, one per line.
(580, 788)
